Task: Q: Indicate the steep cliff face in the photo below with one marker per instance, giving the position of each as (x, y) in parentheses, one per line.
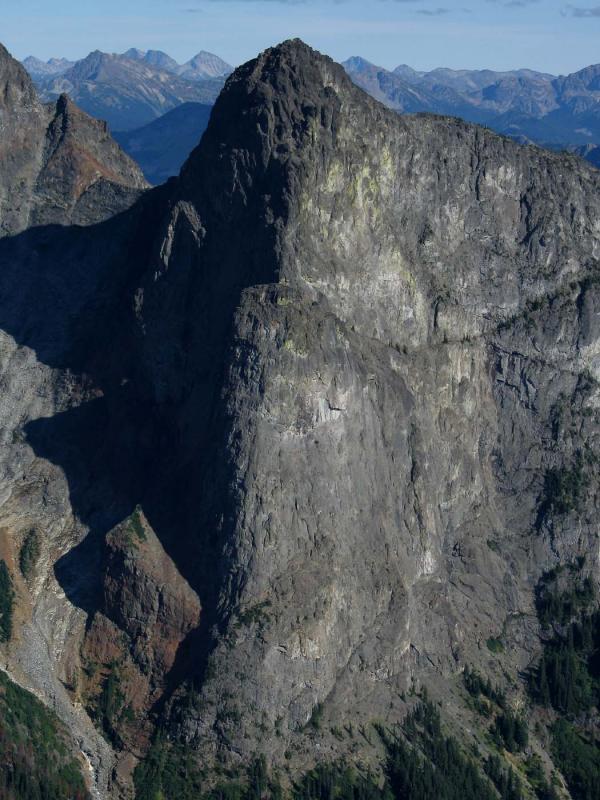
(58, 165)
(59, 170)
(301, 421)
(408, 300)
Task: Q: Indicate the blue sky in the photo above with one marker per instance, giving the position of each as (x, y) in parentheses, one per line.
(549, 35)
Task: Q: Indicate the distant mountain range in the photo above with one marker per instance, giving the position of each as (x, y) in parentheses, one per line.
(202, 66)
(43, 69)
(131, 89)
(555, 111)
(159, 108)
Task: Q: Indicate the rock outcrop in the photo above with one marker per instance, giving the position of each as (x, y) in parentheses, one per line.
(58, 165)
(384, 294)
(330, 369)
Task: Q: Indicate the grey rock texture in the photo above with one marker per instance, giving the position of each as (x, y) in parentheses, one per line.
(376, 489)
(333, 363)
(57, 164)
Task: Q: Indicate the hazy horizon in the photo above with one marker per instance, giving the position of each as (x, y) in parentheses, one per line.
(545, 35)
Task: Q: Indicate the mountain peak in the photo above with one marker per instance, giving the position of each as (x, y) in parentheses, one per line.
(17, 91)
(357, 63)
(205, 65)
(288, 82)
(274, 65)
(134, 54)
(296, 55)
(153, 58)
(160, 59)
(39, 69)
(60, 163)
(88, 67)
(297, 48)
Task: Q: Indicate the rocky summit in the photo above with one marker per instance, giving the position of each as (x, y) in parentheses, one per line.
(306, 432)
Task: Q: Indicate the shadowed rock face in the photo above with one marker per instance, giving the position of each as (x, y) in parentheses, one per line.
(58, 165)
(326, 363)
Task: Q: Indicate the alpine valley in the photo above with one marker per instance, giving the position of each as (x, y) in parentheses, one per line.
(299, 490)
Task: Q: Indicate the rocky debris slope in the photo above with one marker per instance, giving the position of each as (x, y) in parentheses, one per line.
(337, 385)
(57, 164)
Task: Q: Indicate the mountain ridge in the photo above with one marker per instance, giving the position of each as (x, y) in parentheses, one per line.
(131, 92)
(59, 164)
(328, 379)
(199, 67)
(549, 110)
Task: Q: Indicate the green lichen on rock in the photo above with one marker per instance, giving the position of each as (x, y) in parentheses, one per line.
(109, 709)
(254, 615)
(136, 525)
(495, 645)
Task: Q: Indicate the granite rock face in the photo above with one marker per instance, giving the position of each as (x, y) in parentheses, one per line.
(407, 304)
(329, 368)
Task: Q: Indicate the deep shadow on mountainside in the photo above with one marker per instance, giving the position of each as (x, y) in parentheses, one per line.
(297, 435)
